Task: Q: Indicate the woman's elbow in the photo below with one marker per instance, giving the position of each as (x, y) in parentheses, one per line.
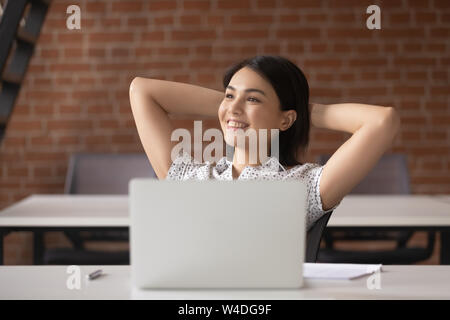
(134, 85)
(391, 121)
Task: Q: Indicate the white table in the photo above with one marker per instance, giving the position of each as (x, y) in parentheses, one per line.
(40, 213)
(49, 282)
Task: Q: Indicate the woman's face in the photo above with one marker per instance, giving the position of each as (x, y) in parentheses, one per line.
(251, 102)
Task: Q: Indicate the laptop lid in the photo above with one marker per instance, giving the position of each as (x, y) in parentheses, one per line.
(217, 234)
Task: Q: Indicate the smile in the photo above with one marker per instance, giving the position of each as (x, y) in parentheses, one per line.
(236, 125)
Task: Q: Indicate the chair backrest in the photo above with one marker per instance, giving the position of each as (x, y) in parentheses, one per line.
(389, 176)
(314, 237)
(105, 173)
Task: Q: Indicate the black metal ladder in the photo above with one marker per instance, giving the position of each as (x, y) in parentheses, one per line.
(20, 25)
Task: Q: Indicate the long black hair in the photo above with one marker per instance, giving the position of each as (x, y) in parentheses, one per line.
(292, 89)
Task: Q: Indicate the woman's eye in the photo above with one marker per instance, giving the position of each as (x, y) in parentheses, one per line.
(253, 99)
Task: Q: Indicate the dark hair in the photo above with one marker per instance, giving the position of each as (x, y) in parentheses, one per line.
(292, 89)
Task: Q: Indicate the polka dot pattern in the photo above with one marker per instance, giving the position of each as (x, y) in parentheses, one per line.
(184, 167)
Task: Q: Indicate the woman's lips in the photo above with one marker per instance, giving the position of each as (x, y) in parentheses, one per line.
(235, 125)
(235, 128)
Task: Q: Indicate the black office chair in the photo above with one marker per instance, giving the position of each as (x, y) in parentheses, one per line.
(389, 176)
(314, 236)
(99, 173)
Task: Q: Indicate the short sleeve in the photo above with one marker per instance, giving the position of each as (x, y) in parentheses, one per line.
(314, 201)
(180, 167)
(184, 167)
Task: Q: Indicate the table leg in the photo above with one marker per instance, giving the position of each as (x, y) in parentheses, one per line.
(445, 247)
(38, 247)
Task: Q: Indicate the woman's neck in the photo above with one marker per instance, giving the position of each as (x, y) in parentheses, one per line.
(241, 160)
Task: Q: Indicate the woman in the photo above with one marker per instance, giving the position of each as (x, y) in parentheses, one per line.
(265, 92)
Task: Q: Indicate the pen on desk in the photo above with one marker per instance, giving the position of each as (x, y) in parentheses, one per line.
(95, 274)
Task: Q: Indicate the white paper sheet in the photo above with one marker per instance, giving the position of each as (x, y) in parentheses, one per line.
(338, 271)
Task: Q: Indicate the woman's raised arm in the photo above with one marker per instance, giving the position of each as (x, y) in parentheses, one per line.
(152, 100)
(374, 129)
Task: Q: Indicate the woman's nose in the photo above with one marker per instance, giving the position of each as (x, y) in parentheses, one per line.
(236, 107)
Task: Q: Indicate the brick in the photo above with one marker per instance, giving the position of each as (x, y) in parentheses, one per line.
(425, 17)
(323, 63)
(408, 90)
(153, 36)
(440, 32)
(18, 172)
(233, 4)
(163, 20)
(45, 156)
(266, 4)
(137, 22)
(162, 5)
(69, 124)
(440, 120)
(440, 90)
(316, 17)
(252, 19)
(437, 136)
(12, 142)
(41, 141)
(196, 5)
(304, 4)
(178, 35)
(69, 67)
(123, 138)
(69, 109)
(415, 61)
(410, 135)
(111, 37)
(95, 140)
(436, 105)
(127, 6)
(109, 124)
(95, 7)
(74, 38)
(367, 91)
(69, 140)
(399, 18)
(49, 53)
(289, 18)
(190, 19)
(296, 33)
(24, 125)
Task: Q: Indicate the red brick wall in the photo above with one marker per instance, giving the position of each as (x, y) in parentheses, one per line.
(75, 97)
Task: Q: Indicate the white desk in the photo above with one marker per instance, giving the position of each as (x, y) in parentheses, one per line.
(49, 282)
(61, 212)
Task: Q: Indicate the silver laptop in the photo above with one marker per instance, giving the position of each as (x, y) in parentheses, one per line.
(217, 234)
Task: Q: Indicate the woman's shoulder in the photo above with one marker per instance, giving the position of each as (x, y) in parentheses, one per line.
(185, 166)
(305, 171)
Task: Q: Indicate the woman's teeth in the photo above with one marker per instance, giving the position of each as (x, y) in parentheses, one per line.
(237, 124)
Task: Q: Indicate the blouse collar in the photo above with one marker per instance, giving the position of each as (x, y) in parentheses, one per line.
(270, 165)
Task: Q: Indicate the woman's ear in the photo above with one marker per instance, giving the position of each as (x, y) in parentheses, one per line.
(288, 119)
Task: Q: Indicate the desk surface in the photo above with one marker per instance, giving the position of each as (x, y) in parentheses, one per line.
(112, 210)
(49, 282)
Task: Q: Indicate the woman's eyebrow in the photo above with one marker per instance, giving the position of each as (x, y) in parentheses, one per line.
(248, 90)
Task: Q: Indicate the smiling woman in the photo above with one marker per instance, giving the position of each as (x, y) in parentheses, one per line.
(262, 93)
